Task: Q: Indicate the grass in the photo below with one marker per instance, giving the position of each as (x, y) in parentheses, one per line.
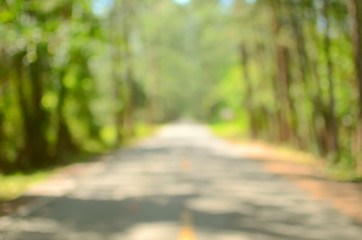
(230, 130)
(142, 130)
(12, 186)
(343, 172)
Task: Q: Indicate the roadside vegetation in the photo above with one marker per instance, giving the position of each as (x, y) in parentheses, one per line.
(12, 186)
(286, 153)
(87, 76)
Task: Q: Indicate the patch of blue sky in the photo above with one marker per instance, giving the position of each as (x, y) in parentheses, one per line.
(226, 5)
(182, 2)
(101, 6)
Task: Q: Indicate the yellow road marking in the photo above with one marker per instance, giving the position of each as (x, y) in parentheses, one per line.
(187, 231)
(185, 165)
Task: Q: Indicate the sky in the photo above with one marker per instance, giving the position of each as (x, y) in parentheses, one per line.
(101, 6)
(182, 2)
(224, 3)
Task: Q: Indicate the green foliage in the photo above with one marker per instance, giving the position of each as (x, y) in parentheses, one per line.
(343, 172)
(74, 79)
(12, 186)
(231, 130)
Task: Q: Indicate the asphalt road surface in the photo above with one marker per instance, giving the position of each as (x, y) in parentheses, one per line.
(183, 184)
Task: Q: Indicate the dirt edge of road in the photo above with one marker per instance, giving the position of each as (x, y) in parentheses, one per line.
(58, 183)
(299, 169)
(302, 170)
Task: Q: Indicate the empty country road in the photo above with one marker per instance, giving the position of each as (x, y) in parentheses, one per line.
(183, 184)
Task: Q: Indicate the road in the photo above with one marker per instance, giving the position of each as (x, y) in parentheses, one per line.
(182, 184)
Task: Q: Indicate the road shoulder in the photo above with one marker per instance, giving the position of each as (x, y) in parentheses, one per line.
(302, 171)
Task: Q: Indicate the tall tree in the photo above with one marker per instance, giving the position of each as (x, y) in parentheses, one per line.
(244, 56)
(332, 126)
(287, 112)
(356, 17)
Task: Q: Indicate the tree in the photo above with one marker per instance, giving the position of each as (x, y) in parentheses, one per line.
(356, 17)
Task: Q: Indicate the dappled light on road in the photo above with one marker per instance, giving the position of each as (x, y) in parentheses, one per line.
(181, 119)
(182, 184)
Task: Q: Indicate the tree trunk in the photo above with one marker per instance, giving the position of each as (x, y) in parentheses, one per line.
(131, 94)
(65, 141)
(36, 142)
(25, 157)
(116, 40)
(305, 72)
(332, 126)
(152, 87)
(2, 138)
(118, 115)
(287, 105)
(356, 19)
(244, 56)
(319, 105)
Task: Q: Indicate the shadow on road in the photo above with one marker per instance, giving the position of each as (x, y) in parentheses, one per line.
(142, 193)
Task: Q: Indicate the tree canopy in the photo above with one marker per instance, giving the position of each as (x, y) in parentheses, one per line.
(79, 75)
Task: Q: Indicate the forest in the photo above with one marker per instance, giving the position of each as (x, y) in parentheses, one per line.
(83, 75)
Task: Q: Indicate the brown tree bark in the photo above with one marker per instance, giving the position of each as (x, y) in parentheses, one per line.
(288, 115)
(129, 73)
(116, 42)
(244, 56)
(119, 111)
(65, 142)
(152, 87)
(332, 125)
(310, 93)
(355, 8)
(36, 141)
(29, 156)
(320, 107)
(2, 119)
(2, 138)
